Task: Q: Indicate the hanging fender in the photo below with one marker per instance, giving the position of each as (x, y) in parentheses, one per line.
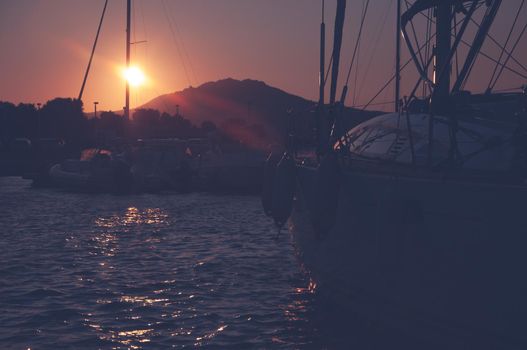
(283, 190)
(326, 195)
(268, 180)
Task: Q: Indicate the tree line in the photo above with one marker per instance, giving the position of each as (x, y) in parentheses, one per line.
(64, 119)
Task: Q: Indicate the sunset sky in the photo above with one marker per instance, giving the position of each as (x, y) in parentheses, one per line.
(45, 47)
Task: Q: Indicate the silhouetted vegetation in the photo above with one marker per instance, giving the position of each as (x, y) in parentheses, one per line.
(64, 119)
(32, 137)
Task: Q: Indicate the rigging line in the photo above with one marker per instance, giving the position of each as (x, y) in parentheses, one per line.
(376, 43)
(393, 76)
(500, 46)
(134, 21)
(506, 43)
(143, 18)
(494, 60)
(329, 68)
(374, 104)
(184, 47)
(510, 89)
(356, 76)
(429, 17)
(141, 9)
(364, 11)
(415, 34)
(484, 54)
(92, 51)
(510, 54)
(473, 63)
(165, 12)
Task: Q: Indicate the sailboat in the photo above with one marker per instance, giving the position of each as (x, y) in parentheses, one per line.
(416, 218)
(98, 170)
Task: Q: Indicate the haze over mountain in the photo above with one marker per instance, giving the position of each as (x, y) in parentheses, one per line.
(248, 109)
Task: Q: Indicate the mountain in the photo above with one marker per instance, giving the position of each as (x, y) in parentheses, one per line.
(249, 110)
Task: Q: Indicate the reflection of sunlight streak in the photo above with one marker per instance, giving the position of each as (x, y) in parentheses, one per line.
(182, 331)
(106, 243)
(297, 308)
(124, 337)
(143, 300)
(129, 337)
(210, 335)
(133, 216)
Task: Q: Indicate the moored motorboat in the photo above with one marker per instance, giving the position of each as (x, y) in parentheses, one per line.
(96, 171)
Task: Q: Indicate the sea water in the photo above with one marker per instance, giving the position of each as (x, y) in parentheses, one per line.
(157, 271)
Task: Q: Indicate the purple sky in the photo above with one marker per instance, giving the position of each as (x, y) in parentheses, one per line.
(45, 46)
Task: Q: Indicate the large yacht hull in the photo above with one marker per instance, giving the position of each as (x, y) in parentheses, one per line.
(437, 257)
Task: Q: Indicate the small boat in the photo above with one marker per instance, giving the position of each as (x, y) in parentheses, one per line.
(96, 171)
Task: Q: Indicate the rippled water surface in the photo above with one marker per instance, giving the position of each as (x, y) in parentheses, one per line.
(147, 271)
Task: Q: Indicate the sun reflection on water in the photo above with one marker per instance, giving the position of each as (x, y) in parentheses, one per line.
(133, 216)
(129, 337)
(210, 335)
(143, 300)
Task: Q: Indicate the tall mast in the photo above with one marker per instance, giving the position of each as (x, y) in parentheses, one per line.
(337, 43)
(322, 59)
(127, 105)
(442, 56)
(320, 121)
(398, 57)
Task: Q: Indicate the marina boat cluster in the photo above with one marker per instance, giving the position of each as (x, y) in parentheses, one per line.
(153, 165)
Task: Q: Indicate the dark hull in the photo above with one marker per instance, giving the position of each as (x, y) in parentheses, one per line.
(445, 259)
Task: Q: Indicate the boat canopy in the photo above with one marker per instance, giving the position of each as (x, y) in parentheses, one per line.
(387, 137)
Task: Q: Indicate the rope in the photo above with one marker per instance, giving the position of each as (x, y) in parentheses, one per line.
(374, 104)
(93, 51)
(364, 11)
(165, 12)
(185, 51)
(376, 44)
(393, 76)
(415, 34)
(506, 43)
(501, 47)
(355, 94)
(329, 68)
(509, 56)
(486, 55)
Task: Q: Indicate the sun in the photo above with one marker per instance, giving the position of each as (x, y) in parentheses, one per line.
(134, 76)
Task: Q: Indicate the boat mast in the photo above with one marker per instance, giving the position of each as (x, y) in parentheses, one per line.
(127, 105)
(398, 57)
(442, 56)
(337, 43)
(322, 59)
(320, 122)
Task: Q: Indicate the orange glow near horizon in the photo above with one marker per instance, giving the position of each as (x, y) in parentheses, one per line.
(189, 43)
